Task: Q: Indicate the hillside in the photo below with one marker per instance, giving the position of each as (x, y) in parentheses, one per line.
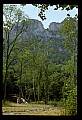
(36, 29)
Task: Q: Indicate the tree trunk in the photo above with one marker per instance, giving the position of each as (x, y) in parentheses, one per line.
(20, 88)
(33, 73)
(5, 84)
(4, 93)
(19, 95)
(46, 84)
(25, 91)
(39, 79)
(38, 90)
(22, 93)
(34, 87)
(5, 81)
(48, 92)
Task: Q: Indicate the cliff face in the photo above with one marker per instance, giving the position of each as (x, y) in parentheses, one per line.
(35, 28)
(54, 26)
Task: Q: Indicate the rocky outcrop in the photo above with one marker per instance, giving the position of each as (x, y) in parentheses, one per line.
(54, 26)
(35, 28)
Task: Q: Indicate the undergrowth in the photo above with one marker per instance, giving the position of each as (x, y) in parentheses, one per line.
(6, 104)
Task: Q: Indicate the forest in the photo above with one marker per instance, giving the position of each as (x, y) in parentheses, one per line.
(33, 69)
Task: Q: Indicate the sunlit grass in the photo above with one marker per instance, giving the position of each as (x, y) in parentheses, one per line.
(36, 109)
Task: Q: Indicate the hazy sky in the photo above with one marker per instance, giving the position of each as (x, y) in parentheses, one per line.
(51, 14)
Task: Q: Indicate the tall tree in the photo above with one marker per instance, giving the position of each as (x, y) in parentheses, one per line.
(13, 16)
(69, 29)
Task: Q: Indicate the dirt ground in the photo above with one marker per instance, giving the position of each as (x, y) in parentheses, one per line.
(33, 109)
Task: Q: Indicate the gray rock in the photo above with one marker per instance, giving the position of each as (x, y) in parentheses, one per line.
(54, 26)
(36, 28)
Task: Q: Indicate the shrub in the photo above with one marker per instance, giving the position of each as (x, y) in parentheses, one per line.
(6, 104)
(71, 102)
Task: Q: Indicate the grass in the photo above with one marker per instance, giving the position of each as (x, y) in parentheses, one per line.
(55, 103)
(32, 108)
(40, 102)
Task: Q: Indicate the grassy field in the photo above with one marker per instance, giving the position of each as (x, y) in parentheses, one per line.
(31, 109)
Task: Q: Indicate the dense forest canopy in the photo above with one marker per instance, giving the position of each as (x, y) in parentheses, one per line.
(31, 69)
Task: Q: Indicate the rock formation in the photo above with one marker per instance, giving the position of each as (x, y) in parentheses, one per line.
(35, 28)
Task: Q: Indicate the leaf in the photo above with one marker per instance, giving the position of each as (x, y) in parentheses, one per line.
(68, 14)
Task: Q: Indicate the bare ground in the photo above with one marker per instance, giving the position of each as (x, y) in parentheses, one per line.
(33, 109)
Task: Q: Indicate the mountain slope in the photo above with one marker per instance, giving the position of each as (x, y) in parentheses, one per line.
(36, 29)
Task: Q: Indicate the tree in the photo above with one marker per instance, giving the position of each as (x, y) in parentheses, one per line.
(22, 67)
(44, 7)
(47, 48)
(69, 29)
(70, 87)
(13, 18)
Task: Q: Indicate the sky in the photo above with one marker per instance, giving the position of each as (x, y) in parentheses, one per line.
(51, 14)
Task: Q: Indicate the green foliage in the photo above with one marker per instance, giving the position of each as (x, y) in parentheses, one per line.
(69, 90)
(6, 104)
(13, 16)
(38, 71)
(70, 31)
(71, 102)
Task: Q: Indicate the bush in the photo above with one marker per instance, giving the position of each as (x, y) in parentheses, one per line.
(6, 104)
(56, 103)
(50, 102)
(71, 102)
